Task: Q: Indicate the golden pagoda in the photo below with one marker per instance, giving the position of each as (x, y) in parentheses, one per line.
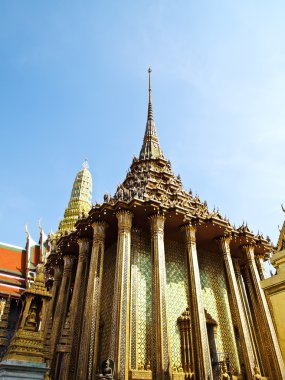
(80, 200)
(151, 284)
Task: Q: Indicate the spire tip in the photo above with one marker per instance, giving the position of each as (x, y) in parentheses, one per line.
(85, 164)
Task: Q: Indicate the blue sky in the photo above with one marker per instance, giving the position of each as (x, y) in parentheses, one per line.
(73, 84)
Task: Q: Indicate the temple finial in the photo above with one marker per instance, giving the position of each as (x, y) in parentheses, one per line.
(85, 164)
(150, 112)
(150, 148)
(149, 84)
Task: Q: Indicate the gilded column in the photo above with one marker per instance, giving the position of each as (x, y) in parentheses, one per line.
(247, 313)
(277, 366)
(257, 324)
(61, 305)
(87, 363)
(135, 247)
(120, 339)
(248, 353)
(76, 309)
(160, 344)
(51, 306)
(55, 288)
(203, 361)
(260, 267)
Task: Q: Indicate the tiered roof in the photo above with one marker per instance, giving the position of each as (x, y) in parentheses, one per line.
(151, 186)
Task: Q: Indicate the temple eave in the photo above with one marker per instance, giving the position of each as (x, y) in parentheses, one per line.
(208, 228)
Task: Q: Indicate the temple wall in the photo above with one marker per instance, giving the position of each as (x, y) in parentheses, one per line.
(177, 295)
(107, 301)
(141, 313)
(215, 296)
(216, 301)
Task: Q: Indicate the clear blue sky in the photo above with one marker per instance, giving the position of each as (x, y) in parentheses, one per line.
(73, 84)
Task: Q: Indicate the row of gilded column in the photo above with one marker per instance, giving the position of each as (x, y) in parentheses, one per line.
(258, 338)
(73, 354)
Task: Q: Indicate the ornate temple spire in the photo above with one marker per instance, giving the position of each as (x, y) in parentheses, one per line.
(80, 200)
(150, 148)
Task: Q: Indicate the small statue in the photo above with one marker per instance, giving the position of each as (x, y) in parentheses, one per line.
(31, 321)
(174, 368)
(224, 371)
(107, 370)
(141, 366)
(257, 374)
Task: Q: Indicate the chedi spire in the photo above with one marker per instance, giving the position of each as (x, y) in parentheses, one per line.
(80, 199)
(150, 148)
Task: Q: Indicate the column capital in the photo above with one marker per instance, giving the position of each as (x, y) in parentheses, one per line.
(224, 244)
(57, 272)
(68, 262)
(156, 223)
(125, 218)
(84, 248)
(248, 249)
(190, 232)
(99, 230)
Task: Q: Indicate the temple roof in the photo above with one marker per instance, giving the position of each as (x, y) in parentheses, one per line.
(80, 200)
(151, 186)
(150, 176)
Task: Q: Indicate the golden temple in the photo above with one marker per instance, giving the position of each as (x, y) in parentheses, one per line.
(151, 284)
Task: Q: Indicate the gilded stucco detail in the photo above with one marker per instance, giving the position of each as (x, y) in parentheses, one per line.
(177, 295)
(107, 295)
(2, 306)
(216, 301)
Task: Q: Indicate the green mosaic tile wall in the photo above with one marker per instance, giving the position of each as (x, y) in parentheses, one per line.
(177, 295)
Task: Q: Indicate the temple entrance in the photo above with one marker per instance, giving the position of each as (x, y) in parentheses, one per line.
(213, 351)
(211, 332)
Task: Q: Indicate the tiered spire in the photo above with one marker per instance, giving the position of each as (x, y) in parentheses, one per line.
(80, 199)
(150, 148)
